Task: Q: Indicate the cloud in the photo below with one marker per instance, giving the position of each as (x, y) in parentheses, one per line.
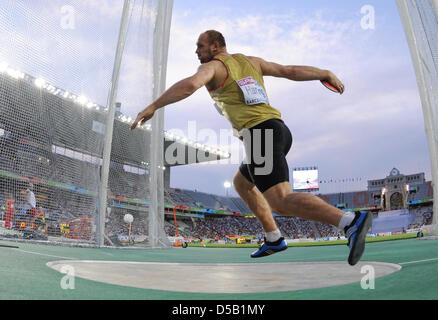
(369, 120)
(329, 130)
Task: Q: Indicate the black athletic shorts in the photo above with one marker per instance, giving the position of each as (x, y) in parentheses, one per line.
(266, 147)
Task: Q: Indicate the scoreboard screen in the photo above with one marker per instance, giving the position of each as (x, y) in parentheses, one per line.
(305, 179)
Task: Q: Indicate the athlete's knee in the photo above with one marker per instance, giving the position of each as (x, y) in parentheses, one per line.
(276, 197)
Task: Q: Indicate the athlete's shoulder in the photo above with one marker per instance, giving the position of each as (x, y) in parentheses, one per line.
(257, 62)
(210, 66)
(254, 59)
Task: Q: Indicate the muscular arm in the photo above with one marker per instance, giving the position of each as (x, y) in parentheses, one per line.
(179, 91)
(296, 73)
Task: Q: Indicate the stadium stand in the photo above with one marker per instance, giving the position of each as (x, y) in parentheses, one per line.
(48, 149)
(422, 216)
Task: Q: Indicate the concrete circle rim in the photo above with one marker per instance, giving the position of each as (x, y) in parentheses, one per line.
(228, 278)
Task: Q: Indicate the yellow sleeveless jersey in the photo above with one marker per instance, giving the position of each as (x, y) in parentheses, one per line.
(242, 99)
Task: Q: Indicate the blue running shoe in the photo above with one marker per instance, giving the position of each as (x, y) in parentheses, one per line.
(269, 248)
(356, 233)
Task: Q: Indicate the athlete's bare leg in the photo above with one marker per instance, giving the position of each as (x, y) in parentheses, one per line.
(284, 202)
(255, 201)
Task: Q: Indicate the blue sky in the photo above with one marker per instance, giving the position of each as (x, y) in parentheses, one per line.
(375, 126)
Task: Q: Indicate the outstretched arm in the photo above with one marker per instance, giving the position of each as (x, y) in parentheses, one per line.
(297, 73)
(177, 92)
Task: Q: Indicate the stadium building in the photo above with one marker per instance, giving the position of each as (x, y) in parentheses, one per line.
(53, 139)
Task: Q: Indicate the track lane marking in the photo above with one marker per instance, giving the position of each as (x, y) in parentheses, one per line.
(47, 255)
(417, 261)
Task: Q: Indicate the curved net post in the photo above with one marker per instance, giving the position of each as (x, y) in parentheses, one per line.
(137, 164)
(110, 123)
(420, 22)
(157, 237)
(72, 76)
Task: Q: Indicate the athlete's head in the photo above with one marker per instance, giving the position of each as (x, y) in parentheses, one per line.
(209, 44)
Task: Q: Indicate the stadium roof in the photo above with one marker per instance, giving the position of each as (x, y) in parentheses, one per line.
(94, 118)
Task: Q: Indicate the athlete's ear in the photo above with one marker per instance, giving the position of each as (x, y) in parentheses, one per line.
(216, 46)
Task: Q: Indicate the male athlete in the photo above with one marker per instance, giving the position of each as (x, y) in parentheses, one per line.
(30, 207)
(235, 83)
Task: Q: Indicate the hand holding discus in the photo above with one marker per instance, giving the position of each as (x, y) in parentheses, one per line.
(333, 84)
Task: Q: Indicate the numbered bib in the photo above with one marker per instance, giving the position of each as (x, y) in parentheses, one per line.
(253, 92)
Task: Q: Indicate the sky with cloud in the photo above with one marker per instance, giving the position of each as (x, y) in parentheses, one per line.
(376, 125)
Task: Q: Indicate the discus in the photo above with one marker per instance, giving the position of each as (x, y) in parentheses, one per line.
(329, 86)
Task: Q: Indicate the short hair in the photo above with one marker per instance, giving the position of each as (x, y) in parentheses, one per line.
(214, 35)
